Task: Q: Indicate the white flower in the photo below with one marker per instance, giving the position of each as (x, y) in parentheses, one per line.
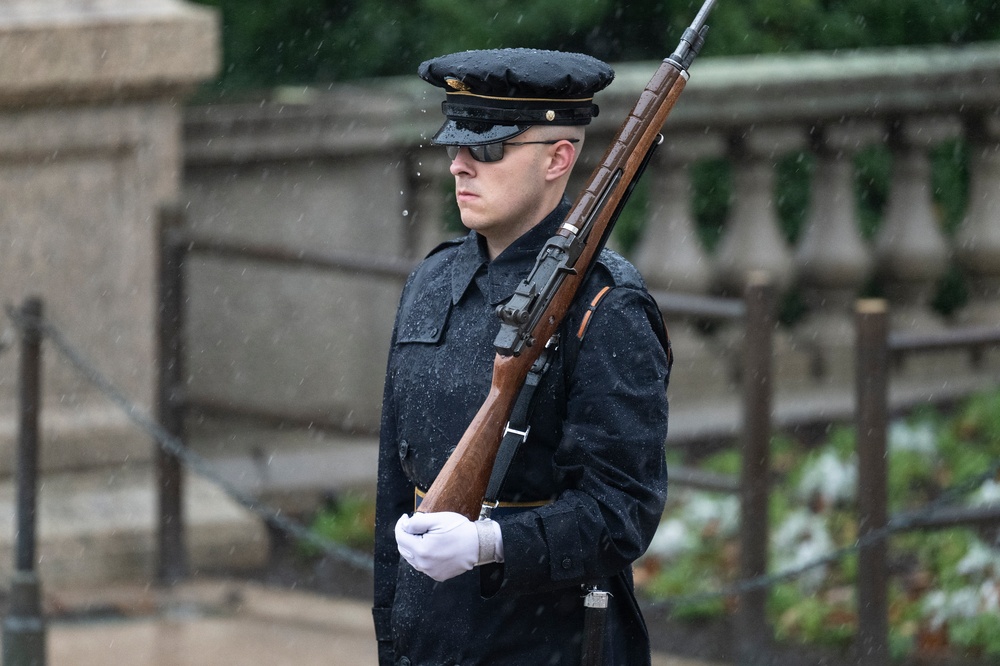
(942, 606)
(801, 539)
(987, 494)
(919, 438)
(990, 595)
(707, 510)
(832, 479)
(980, 566)
(979, 562)
(672, 538)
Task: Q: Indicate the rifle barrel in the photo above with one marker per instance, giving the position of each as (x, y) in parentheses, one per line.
(702, 16)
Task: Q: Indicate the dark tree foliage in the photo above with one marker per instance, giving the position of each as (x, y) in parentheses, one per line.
(270, 42)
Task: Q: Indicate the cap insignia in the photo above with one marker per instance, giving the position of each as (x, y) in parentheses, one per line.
(550, 115)
(455, 84)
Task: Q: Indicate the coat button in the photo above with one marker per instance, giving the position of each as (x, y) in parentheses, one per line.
(567, 563)
(404, 448)
(403, 661)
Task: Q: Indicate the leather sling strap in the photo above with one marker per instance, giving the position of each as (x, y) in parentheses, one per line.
(517, 428)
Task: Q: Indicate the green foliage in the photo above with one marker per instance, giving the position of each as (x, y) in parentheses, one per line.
(812, 619)
(348, 520)
(273, 42)
(981, 633)
(979, 423)
(457, 26)
(930, 597)
(793, 177)
(843, 440)
(687, 575)
(911, 474)
(950, 181)
(628, 228)
(873, 170)
(723, 462)
(711, 182)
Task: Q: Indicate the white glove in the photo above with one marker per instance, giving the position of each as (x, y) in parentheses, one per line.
(444, 545)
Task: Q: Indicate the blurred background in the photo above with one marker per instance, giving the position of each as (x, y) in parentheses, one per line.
(217, 203)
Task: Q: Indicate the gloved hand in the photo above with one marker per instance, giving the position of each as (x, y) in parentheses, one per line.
(444, 545)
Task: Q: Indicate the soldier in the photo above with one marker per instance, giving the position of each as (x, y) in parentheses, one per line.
(585, 491)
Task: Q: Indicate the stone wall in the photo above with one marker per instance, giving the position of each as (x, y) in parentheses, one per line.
(91, 98)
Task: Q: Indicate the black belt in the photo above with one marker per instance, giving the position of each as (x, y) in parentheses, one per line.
(501, 508)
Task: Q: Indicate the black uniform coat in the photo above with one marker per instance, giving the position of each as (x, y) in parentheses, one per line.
(594, 454)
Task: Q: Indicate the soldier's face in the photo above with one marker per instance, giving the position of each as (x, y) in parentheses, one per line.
(502, 200)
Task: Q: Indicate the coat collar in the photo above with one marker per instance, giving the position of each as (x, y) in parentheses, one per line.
(504, 273)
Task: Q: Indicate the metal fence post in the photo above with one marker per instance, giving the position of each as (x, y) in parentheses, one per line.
(753, 634)
(172, 564)
(872, 415)
(24, 626)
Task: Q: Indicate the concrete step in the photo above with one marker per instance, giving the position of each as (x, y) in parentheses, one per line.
(210, 622)
(98, 527)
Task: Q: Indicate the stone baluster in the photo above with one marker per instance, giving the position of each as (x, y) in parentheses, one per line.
(911, 252)
(832, 260)
(753, 244)
(978, 238)
(671, 257)
(752, 240)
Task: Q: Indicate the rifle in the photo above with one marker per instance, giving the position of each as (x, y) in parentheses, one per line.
(541, 301)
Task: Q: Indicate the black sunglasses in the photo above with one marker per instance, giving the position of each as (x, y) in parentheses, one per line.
(493, 152)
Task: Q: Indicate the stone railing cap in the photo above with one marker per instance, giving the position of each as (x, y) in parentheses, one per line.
(818, 85)
(56, 51)
(724, 94)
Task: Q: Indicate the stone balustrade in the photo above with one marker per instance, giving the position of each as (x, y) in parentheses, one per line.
(348, 167)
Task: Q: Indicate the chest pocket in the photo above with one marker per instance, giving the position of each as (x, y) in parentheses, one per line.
(424, 312)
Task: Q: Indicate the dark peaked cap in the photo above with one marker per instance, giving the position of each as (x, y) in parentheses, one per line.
(496, 94)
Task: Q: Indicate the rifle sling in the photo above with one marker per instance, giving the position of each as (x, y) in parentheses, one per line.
(517, 428)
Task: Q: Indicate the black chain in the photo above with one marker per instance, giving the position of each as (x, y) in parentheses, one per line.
(176, 447)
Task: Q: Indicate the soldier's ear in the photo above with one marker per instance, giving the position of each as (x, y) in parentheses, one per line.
(563, 156)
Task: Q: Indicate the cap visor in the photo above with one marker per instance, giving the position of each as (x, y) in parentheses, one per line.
(470, 133)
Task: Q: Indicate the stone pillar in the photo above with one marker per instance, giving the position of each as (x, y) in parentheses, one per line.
(832, 260)
(978, 239)
(752, 240)
(910, 249)
(753, 244)
(671, 257)
(90, 105)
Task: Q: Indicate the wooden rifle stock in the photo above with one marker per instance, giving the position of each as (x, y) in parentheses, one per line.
(562, 266)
